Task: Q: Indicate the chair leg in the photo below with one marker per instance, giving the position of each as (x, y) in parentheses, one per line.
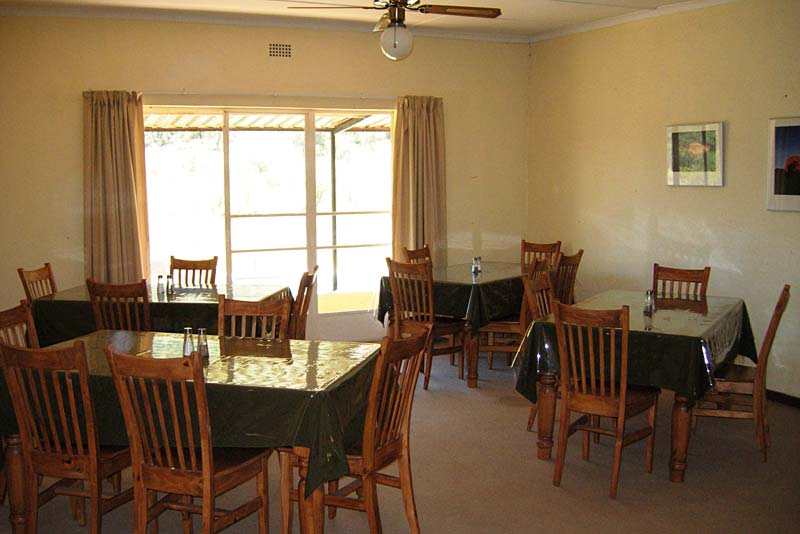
(612, 492)
(186, 517)
(262, 481)
(596, 422)
(407, 489)
(150, 500)
(208, 515)
(586, 441)
(490, 355)
(371, 502)
(651, 440)
(758, 423)
(765, 422)
(78, 506)
(31, 503)
(563, 436)
(95, 507)
(532, 416)
(333, 486)
(286, 488)
(428, 363)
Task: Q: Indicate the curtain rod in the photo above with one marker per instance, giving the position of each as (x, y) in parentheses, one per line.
(360, 96)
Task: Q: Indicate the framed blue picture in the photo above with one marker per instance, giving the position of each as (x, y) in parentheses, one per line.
(783, 175)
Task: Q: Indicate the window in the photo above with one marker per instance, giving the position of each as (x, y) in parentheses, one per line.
(236, 184)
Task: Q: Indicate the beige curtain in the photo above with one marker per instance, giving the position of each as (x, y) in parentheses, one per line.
(419, 213)
(116, 247)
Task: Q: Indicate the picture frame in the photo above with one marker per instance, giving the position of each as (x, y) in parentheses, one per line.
(783, 173)
(695, 155)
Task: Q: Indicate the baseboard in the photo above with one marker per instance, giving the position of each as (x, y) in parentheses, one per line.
(783, 398)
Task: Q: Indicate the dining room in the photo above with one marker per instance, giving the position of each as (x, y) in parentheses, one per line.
(552, 135)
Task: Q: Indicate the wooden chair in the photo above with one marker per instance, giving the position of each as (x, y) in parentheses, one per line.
(17, 328)
(418, 255)
(741, 392)
(538, 296)
(593, 356)
(565, 277)
(266, 319)
(297, 322)
(412, 303)
(537, 251)
(680, 283)
(120, 306)
(189, 273)
(384, 442)
(165, 409)
(49, 389)
(38, 283)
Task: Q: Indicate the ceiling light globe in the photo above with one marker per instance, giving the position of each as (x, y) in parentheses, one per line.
(396, 42)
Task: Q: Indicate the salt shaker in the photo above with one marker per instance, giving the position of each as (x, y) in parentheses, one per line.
(649, 303)
(202, 343)
(480, 264)
(160, 286)
(170, 285)
(188, 342)
(475, 267)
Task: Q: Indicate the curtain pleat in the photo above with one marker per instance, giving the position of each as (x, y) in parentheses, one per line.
(419, 213)
(116, 239)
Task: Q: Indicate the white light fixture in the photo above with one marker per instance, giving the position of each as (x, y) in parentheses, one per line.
(396, 42)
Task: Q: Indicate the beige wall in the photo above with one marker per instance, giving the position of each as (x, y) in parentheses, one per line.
(45, 64)
(599, 104)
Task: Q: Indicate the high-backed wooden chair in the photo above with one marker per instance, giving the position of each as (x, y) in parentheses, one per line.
(538, 296)
(165, 409)
(680, 283)
(17, 328)
(412, 304)
(565, 276)
(741, 392)
(189, 273)
(537, 251)
(266, 319)
(49, 389)
(38, 283)
(297, 323)
(120, 306)
(384, 442)
(418, 255)
(593, 357)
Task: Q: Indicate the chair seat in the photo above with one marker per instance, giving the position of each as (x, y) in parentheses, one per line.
(112, 459)
(736, 373)
(638, 399)
(447, 327)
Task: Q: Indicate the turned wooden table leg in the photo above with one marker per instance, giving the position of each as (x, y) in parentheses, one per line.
(15, 473)
(312, 517)
(681, 419)
(546, 403)
(472, 358)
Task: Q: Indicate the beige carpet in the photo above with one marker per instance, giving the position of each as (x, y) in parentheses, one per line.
(475, 471)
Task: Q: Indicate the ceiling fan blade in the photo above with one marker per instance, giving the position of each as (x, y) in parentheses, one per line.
(463, 11)
(383, 23)
(331, 7)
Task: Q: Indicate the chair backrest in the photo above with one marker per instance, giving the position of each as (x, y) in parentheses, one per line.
(412, 295)
(38, 283)
(297, 323)
(566, 274)
(593, 351)
(120, 306)
(165, 409)
(391, 396)
(537, 251)
(538, 295)
(17, 327)
(49, 389)
(680, 283)
(769, 337)
(188, 273)
(266, 319)
(418, 255)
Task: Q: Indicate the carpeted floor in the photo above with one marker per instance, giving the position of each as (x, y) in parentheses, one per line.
(475, 471)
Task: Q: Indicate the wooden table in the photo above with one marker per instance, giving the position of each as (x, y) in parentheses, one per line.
(678, 349)
(303, 394)
(68, 314)
(493, 294)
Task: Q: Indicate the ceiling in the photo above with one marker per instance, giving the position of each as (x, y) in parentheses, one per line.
(522, 20)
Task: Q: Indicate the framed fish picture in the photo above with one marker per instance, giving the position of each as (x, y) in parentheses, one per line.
(694, 155)
(783, 174)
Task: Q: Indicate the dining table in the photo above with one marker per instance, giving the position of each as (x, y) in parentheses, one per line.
(308, 395)
(68, 314)
(493, 293)
(677, 346)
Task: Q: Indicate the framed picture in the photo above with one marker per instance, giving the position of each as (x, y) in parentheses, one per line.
(694, 154)
(783, 178)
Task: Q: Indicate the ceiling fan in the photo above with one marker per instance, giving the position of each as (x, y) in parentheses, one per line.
(396, 42)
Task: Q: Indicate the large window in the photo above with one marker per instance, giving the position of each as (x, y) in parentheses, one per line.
(236, 185)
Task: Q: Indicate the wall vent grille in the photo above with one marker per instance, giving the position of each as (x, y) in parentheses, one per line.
(280, 50)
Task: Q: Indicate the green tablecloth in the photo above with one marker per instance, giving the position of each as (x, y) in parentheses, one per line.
(260, 393)
(68, 314)
(677, 349)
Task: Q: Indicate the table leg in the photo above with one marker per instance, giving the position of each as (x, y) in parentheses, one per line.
(15, 478)
(472, 358)
(546, 404)
(312, 519)
(681, 418)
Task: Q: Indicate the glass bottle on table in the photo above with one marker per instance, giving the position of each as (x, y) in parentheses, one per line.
(160, 291)
(188, 342)
(170, 286)
(202, 343)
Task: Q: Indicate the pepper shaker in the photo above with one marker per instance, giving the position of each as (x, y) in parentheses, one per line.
(188, 342)
(202, 343)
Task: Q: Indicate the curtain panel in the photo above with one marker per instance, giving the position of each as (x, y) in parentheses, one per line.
(116, 244)
(419, 213)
